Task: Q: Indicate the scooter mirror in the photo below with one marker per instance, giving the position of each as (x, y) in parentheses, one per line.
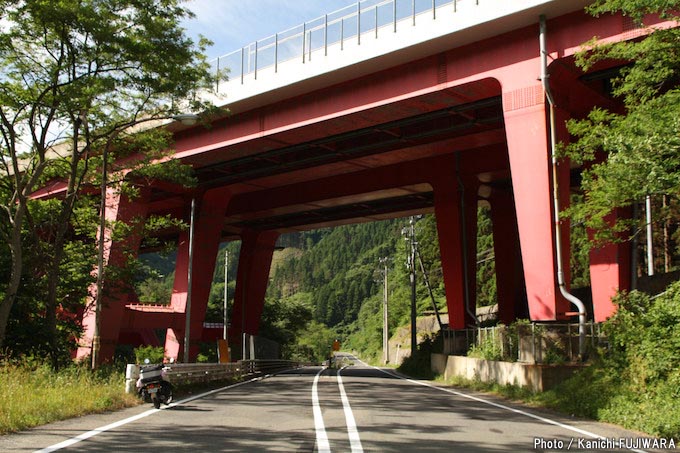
(147, 361)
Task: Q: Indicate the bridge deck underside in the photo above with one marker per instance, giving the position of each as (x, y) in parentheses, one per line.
(288, 182)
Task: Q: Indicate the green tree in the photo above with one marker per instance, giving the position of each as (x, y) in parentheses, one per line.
(634, 154)
(77, 76)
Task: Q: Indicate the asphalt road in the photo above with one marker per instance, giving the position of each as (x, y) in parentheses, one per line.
(354, 409)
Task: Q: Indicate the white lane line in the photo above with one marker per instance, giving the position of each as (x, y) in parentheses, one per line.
(322, 444)
(94, 432)
(500, 406)
(352, 431)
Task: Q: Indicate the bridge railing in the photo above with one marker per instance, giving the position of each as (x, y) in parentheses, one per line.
(192, 373)
(365, 19)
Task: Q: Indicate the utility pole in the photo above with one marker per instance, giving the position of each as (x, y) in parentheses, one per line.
(386, 334)
(410, 235)
(412, 259)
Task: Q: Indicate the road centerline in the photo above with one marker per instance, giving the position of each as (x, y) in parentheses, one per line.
(354, 439)
(322, 443)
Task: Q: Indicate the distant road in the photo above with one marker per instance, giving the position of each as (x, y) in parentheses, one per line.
(358, 408)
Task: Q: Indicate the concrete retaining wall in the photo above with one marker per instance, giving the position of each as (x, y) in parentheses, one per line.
(538, 378)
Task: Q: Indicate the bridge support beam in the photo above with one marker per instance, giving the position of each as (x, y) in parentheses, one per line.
(255, 257)
(120, 209)
(208, 224)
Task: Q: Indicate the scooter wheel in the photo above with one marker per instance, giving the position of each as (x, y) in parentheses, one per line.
(157, 403)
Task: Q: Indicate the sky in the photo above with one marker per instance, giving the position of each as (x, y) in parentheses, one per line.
(232, 24)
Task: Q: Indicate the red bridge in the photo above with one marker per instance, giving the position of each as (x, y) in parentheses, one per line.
(425, 111)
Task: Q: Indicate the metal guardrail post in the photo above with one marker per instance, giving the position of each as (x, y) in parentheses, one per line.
(276, 53)
(217, 76)
(413, 9)
(256, 49)
(342, 34)
(243, 52)
(359, 23)
(304, 36)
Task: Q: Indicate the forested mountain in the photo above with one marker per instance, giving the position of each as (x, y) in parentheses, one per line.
(329, 282)
(338, 270)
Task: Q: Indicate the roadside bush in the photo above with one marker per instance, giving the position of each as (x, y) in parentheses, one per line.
(155, 354)
(636, 383)
(418, 364)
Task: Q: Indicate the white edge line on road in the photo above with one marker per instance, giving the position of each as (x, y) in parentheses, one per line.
(322, 444)
(352, 431)
(499, 406)
(94, 432)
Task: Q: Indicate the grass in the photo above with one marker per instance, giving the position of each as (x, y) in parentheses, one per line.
(594, 394)
(35, 395)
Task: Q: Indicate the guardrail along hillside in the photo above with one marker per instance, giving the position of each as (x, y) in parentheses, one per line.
(191, 373)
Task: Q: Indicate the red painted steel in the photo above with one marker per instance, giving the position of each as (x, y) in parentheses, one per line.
(119, 208)
(476, 112)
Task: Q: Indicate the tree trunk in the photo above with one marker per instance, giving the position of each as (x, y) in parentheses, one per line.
(53, 274)
(51, 303)
(15, 246)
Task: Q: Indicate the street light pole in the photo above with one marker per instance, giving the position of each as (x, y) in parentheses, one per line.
(226, 280)
(187, 311)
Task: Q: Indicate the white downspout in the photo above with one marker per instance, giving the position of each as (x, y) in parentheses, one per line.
(556, 201)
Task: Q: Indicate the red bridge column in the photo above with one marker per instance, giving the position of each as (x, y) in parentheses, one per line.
(255, 257)
(470, 188)
(208, 222)
(508, 258)
(120, 209)
(610, 271)
(527, 138)
(448, 215)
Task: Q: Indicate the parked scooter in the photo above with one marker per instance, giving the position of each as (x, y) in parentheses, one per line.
(153, 385)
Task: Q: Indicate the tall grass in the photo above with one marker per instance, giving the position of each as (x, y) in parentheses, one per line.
(32, 395)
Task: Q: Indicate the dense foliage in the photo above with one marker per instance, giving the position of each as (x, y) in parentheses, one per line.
(635, 383)
(78, 79)
(635, 152)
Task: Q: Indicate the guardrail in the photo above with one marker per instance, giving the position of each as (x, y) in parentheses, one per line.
(191, 373)
(365, 18)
